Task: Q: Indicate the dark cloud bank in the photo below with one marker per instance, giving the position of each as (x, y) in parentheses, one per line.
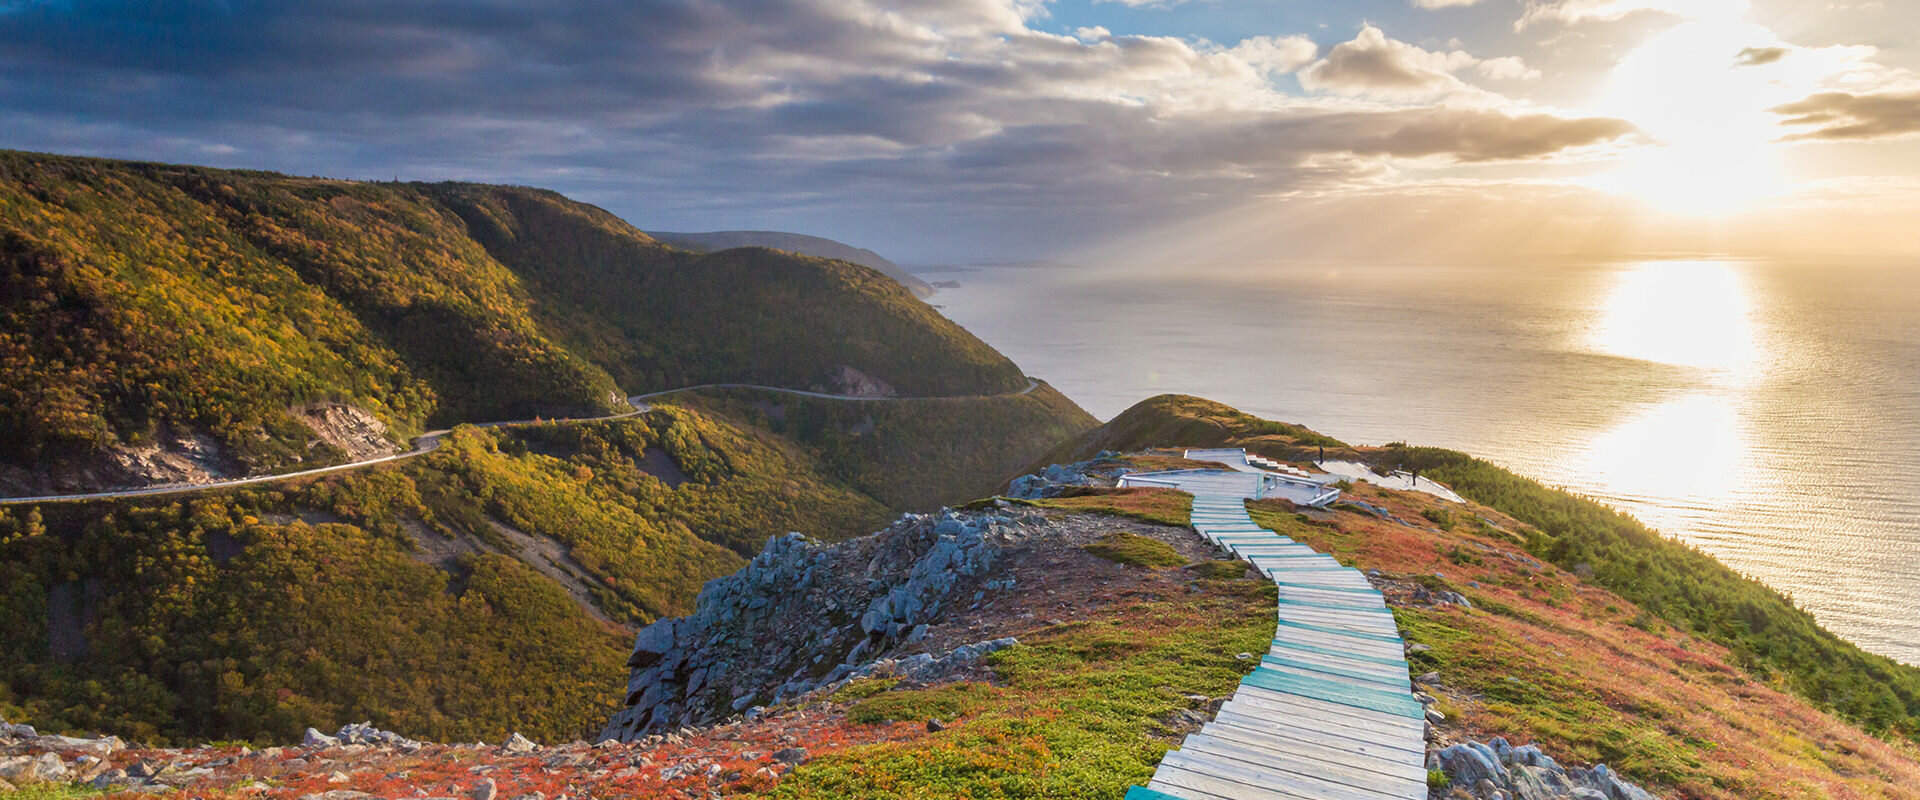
(886, 120)
(1841, 116)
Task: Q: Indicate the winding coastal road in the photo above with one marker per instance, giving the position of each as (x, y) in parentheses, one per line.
(430, 441)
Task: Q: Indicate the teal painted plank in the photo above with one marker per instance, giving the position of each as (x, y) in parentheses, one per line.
(1304, 570)
(1320, 588)
(1335, 606)
(1144, 793)
(1375, 678)
(1329, 651)
(1373, 637)
(1383, 702)
(1351, 688)
(1315, 561)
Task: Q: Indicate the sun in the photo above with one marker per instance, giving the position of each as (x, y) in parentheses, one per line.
(1704, 108)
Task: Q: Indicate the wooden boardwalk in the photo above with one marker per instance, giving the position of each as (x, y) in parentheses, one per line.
(1329, 714)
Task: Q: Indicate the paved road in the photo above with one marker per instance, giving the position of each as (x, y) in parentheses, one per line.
(430, 441)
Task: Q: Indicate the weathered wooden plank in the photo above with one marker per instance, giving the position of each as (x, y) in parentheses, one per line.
(1290, 582)
(1334, 576)
(1324, 731)
(1337, 639)
(1406, 765)
(1288, 703)
(1334, 621)
(1392, 639)
(1175, 776)
(1335, 692)
(1267, 777)
(1366, 645)
(1358, 605)
(1370, 599)
(1351, 682)
(1337, 769)
(1309, 612)
(1262, 719)
(1389, 661)
(1380, 676)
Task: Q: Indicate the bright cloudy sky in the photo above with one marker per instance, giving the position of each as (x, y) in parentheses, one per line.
(963, 130)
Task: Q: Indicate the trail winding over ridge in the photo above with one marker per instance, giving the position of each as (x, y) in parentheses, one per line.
(430, 441)
(1329, 713)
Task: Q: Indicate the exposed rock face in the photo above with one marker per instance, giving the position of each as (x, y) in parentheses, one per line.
(1102, 470)
(1499, 771)
(846, 380)
(803, 615)
(178, 457)
(357, 433)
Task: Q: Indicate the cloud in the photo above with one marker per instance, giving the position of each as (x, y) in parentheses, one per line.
(1433, 4)
(1573, 12)
(957, 114)
(1377, 65)
(1841, 116)
(1760, 56)
(1276, 55)
(1507, 68)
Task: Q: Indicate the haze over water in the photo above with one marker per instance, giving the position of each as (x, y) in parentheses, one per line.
(1767, 412)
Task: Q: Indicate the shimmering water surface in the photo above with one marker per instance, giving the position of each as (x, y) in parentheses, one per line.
(1767, 412)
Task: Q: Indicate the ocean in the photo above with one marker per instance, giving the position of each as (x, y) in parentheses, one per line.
(1767, 412)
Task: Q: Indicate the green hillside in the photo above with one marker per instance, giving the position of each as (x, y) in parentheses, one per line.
(1775, 641)
(145, 302)
(494, 583)
(915, 454)
(1179, 420)
(490, 585)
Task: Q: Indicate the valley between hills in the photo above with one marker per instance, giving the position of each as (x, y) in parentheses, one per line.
(650, 592)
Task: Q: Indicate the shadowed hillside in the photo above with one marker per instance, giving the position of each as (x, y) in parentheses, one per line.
(171, 323)
(797, 243)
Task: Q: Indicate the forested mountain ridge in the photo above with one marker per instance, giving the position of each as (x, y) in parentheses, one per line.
(796, 243)
(166, 322)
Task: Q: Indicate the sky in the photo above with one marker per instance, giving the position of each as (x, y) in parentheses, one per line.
(963, 131)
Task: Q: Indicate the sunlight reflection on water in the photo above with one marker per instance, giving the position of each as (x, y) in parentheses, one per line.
(1766, 412)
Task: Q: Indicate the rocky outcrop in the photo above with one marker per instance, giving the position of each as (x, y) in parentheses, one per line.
(362, 733)
(1102, 470)
(1499, 771)
(175, 457)
(355, 432)
(51, 759)
(803, 615)
(845, 380)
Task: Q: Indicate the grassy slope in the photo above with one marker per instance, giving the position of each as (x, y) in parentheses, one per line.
(143, 296)
(1545, 656)
(1769, 636)
(916, 454)
(1728, 642)
(1178, 420)
(255, 613)
(1079, 711)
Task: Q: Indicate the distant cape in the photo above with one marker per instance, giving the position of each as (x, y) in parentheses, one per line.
(795, 243)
